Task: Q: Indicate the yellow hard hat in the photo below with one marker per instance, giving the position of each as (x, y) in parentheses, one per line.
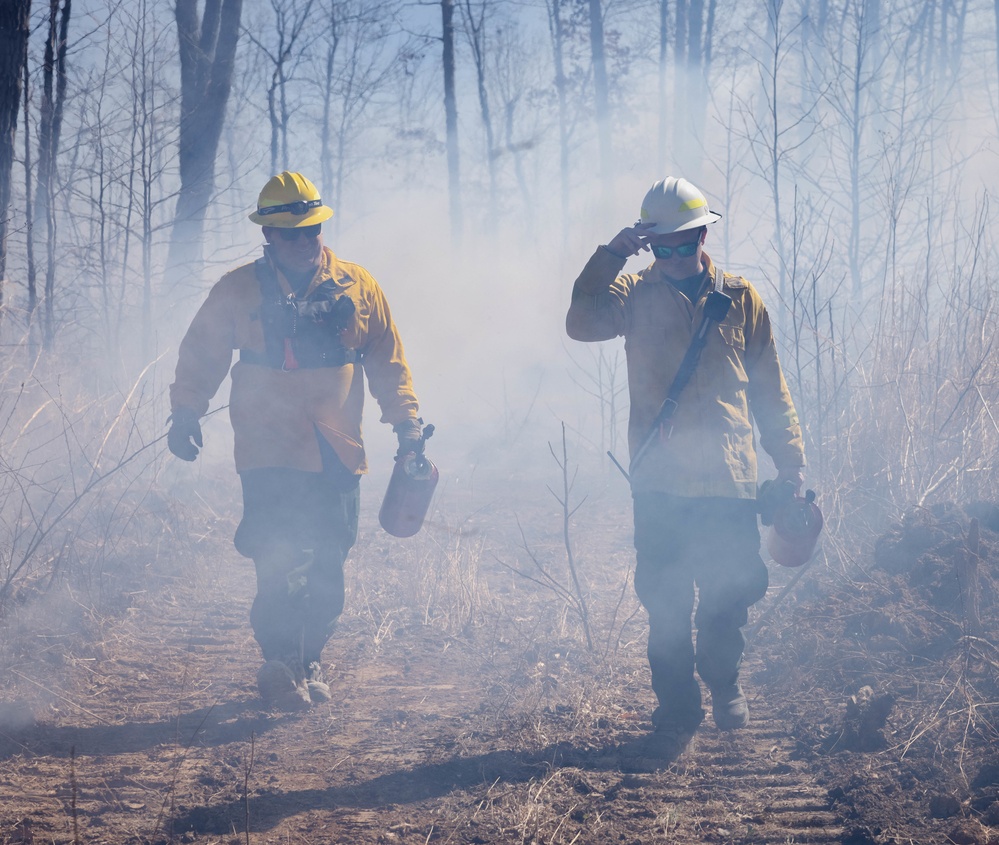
(289, 201)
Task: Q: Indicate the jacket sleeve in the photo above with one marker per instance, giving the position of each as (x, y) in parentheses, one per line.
(389, 379)
(205, 353)
(598, 310)
(769, 398)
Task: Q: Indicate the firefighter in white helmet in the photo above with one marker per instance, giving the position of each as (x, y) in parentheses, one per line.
(694, 491)
(308, 327)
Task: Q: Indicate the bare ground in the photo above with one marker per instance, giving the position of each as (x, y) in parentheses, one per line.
(468, 708)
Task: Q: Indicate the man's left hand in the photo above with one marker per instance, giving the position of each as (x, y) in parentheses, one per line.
(791, 477)
(773, 494)
(184, 438)
(410, 434)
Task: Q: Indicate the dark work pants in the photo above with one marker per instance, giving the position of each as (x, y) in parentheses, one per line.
(713, 545)
(298, 527)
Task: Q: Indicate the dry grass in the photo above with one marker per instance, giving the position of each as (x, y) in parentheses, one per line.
(88, 526)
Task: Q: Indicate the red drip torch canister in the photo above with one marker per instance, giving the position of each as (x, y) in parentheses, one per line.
(791, 539)
(409, 492)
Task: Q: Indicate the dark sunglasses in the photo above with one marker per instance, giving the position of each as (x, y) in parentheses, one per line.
(683, 250)
(309, 232)
(298, 208)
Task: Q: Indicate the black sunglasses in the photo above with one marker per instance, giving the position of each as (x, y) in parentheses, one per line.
(683, 250)
(298, 208)
(309, 232)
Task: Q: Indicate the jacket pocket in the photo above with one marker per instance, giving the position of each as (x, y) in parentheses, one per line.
(733, 336)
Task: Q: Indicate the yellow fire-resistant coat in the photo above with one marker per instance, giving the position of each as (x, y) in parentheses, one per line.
(711, 451)
(274, 412)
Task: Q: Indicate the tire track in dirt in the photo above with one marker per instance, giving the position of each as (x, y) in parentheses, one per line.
(410, 751)
(753, 769)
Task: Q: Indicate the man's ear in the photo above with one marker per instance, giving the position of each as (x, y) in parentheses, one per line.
(268, 234)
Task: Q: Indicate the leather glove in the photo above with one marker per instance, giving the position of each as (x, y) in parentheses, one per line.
(775, 492)
(410, 434)
(184, 428)
(791, 476)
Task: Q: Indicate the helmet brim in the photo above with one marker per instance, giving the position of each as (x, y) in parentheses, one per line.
(705, 219)
(287, 220)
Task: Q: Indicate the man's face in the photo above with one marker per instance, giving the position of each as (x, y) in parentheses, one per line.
(296, 250)
(682, 258)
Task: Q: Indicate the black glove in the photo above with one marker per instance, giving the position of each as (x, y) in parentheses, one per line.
(771, 495)
(410, 434)
(184, 428)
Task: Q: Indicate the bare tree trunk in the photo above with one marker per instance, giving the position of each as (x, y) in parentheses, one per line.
(772, 155)
(49, 129)
(856, 131)
(29, 224)
(680, 92)
(663, 120)
(207, 54)
(518, 166)
(325, 150)
(289, 24)
(693, 55)
(143, 138)
(556, 28)
(695, 22)
(362, 60)
(451, 120)
(476, 31)
(601, 98)
(14, 16)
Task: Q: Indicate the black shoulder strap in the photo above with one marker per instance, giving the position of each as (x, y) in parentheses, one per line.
(716, 306)
(270, 288)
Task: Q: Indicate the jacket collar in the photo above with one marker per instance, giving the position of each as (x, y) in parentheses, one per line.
(330, 268)
(651, 274)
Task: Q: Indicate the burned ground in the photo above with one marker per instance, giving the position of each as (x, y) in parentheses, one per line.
(469, 708)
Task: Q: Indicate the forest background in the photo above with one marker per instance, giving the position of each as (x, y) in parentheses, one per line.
(475, 153)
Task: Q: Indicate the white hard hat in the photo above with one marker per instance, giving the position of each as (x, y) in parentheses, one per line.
(674, 205)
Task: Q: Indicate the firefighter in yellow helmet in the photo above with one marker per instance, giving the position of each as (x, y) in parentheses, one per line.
(694, 480)
(308, 327)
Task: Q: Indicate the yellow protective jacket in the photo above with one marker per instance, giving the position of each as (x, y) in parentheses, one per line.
(275, 413)
(711, 451)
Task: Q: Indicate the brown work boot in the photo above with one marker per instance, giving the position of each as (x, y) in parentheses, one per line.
(669, 740)
(279, 687)
(658, 750)
(729, 708)
(319, 690)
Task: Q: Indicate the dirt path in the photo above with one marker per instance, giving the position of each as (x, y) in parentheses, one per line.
(502, 733)
(466, 709)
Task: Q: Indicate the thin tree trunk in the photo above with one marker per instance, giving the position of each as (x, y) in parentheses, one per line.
(278, 112)
(518, 167)
(50, 126)
(477, 39)
(325, 147)
(695, 90)
(663, 119)
(557, 31)
(451, 120)
(14, 16)
(680, 81)
(601, 98)
(207, 56)
(144, 109)
(29, 224)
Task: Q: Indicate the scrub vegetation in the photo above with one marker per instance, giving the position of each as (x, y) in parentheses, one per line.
(489, 675)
